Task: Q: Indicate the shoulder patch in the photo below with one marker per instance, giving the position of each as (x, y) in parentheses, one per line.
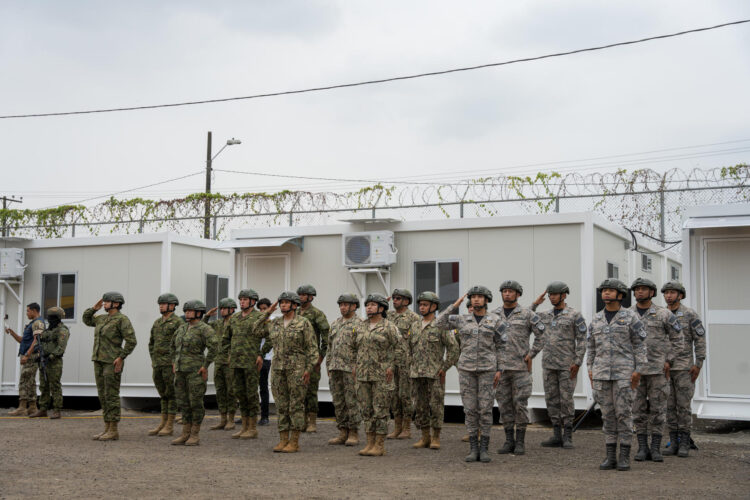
(674, 323)
(535, 319)
(697, 325)
(638, 327)
(581, 324)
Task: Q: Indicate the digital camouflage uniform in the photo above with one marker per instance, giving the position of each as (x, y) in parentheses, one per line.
(401, 387)
(340, 362)
(375, 353)
(53, 341)
(680, 382)
(514, 388)
(109, 334)
(663, 342)
(321, 329)
(615, 351)
(564, 345)
(431, 349)
(242, 337)
(295, 352)
(481, 344)
(160, 349)
(223, 380)
(189, 344)
(27, 380)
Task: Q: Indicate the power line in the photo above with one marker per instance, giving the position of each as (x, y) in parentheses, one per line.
(379, 81)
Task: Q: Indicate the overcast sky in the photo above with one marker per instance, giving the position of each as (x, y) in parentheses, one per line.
(75, 55)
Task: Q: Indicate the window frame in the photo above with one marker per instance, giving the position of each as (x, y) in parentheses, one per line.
(414, 306)
(205, 288)
(674, 272)
(68, 320)
(615, 267)
(647, 263)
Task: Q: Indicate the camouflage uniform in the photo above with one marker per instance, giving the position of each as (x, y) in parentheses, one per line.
(375, 347)
(242, 338)
(321, 328)
(680, 382)
(663, 342)
(27, 381)
(109, 334)
(223, 381)
(481, 344)
(188, 347)
(615, 351)
(564, 346)
(159, 348)
(53, 341)
(514, 388)
(401, 387)
(295, 352)
(340, 362)
(431, 349)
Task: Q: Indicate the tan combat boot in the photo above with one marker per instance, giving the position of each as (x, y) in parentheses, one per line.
(221, 424)
(293, 445)
(283, 441)
(378, 450)
(435, 441)
(397, 428)
(162, 423)
(37, 414)
(194, 439)
(252, 431)
(184, 436)
(353, 438)
(96, 437)
(425, 441)
(341, 438)
(311, 422)
(405, 429)
(370, 444)
(245, 424)
(168, 429)
(111, 434)
(230, 421)
(22, 409)
(178, 420)
(32, 407)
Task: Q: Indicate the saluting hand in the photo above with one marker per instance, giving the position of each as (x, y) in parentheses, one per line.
(212, 311)
(540, 299)
(98, 305)
(460, 300)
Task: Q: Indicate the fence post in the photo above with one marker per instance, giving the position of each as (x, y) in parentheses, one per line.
(291, 220)
(662, 232)
(557, 205)
(140, 226)
(73, 230)
(215, 219)
(462, 209)
(373, 212)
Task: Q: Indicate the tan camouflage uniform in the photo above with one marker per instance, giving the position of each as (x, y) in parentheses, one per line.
(401, 387)
(321, 328)
(159, 348)
(340, 362)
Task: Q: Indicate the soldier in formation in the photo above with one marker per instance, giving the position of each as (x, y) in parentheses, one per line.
(29, 357)
(53, 340)
(340, 365)
(114, 340)
(223, 383)
(321, 328)
(406, 321)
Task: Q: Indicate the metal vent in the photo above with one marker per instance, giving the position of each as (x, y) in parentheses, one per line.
(358, 250)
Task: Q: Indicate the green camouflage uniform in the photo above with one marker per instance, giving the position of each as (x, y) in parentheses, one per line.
(431, 349)
(27, 379)
(681, 384)
(188, 347)
(375, 352)
(295, 352)
(401, 387)
(340, 362)
(159, 348)
(242, 337)
(109, 334)
(321, 328)
(223, 381)
(53, 341)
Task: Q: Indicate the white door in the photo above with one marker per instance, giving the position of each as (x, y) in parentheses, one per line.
(267, 274)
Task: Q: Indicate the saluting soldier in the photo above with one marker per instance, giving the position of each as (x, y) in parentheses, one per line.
(53, 341)
(320, 325)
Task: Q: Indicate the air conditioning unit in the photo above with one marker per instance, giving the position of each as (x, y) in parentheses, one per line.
(369, 249)
(12, 263)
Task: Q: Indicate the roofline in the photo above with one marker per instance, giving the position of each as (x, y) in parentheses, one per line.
(123, 239)
(717, 211)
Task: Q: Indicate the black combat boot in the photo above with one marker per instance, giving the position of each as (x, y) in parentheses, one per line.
(673, 444)
(611, 461)
(473, 455)
(510, 442)
(484, 445)
(656, 448)
(684, 449)
(623, 463)
(520, 447)
(643, 451)
(567, 441)
(555, 440)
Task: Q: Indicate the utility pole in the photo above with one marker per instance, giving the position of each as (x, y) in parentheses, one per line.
(7, 200)
(207, 216)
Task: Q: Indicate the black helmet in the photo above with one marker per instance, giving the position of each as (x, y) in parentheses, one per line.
(480, 290)
(168, 298)
(674, 285)
(113, 297)
(248, 293)
(348, 298)
(227, 302)
(306, 289)
(614, 284)
(402, 292)
(291, 296)
(194, 305)
(512, 285)
(378, 299)
(558, 287)
(643, 282)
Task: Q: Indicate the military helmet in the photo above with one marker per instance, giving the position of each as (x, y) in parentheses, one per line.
(480, 290)
(674, 285)
(57, 312)
(168, 298)
(194, 305)
(643, 282)
(227, 302)
(248, 293)
(429, 297)
(348, 298)
(306, 289)
(511, 285)
(558, 287)
(402, 292)
(614, 284)
(291, 296)
(113, 297)
(378, 299)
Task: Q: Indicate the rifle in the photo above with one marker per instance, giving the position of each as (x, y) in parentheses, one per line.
(42, 359)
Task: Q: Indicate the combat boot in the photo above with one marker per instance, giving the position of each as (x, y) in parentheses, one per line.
(245, 425)
(39, 413)
(684, 449)
(184, 436)
(405, 429)
(222, 423)
(378, 449)
(230, 421)
(252, 431)
(353, 438)
(673, 444)
(283, 441)
(178, 420)
(484, 446)
(54, 415)
(311, 422)
(293, 445)
(425, 441)
(623, 463)
(194, 439)
(567, 441)
(555, 440)
(473, 455)
(398, 424)
(656, 448)
(341, 438)
(610, 462)
(22, 409)
(510, 442)
(162, 423)
(520, 447)
(112, 434)
(370, 443)
(96, 437)
(435, 440)
(466, 438)
(32, 407)
(168, 429)
(643, 451)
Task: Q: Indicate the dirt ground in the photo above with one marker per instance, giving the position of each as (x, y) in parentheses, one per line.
(42, 457)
